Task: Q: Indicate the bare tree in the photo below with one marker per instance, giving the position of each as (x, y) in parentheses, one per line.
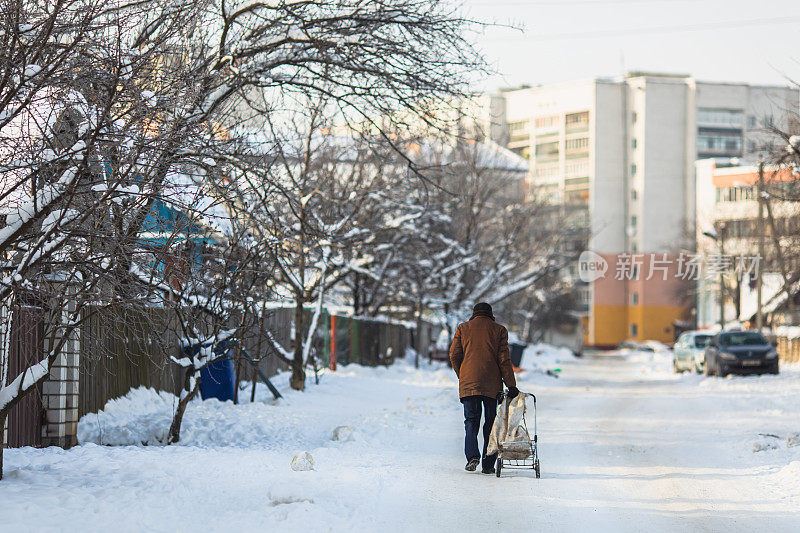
(74, 125)
(485, 240)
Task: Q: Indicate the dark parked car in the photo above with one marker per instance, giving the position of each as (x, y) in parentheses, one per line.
(741, 352)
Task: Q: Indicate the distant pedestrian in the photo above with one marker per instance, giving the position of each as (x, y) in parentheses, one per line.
(479, 354)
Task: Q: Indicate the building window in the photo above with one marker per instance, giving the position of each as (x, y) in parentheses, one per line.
(634, 247)
(546, 171)
(633, 221)
(577, 118)
(547, 122)
(634, 143)
(634, 330)
(633, 169)
(719, 143)
(577, 121)
(547, 150)
(581, 143)
(720, 117)
(519, 125)
(634, 194)
(736, 194)
(634, 117)
(576, 168)
(634, 298)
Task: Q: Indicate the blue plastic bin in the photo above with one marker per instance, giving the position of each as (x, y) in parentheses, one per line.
(217, 380)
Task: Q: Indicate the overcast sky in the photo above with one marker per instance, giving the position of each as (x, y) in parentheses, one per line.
(754, 41)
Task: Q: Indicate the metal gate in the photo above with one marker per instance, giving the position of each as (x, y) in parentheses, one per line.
(25, 419)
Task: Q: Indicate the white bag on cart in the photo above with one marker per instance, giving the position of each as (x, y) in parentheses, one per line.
(509, 427)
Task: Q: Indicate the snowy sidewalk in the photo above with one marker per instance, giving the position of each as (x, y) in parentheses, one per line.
(624, 443)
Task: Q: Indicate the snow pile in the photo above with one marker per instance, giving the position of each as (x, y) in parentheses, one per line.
(544, 358)
(342, 433)
(141, 417)
(655, 363)
(768, 442)
(774, 437)
(302, 462)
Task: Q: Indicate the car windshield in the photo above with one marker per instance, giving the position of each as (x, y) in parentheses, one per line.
(701, 341)
(742, 338)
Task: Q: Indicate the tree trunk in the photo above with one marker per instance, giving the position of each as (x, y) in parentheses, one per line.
(177, 419)
(2, 440)
(356, 294)
(236, 378)
(255, 382)
(418, 334)
(298, 379)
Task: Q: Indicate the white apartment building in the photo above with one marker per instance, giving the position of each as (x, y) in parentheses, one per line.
(727, 207)
(621, 152)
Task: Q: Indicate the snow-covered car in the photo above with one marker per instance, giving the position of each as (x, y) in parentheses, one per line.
(645, 346)
(628, 345)
(742, 352)
(688, 353)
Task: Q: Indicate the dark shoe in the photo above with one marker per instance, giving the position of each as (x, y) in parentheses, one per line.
(472, 465)
(489, 470)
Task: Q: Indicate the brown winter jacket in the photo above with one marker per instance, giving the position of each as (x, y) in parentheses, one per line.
(479, 354)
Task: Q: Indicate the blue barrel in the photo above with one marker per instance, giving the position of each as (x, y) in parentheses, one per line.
(218, 379)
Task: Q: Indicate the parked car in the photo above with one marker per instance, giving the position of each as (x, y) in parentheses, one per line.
(743, 352)
(688, 353)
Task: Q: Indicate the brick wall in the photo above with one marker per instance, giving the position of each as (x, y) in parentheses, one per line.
(60, 390)
(60, 397)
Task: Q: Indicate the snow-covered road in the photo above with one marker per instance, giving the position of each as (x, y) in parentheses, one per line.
(625, 446)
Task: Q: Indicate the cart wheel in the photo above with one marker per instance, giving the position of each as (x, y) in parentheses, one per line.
(499, 467)
(536, 466)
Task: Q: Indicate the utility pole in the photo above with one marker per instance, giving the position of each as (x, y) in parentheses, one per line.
(759, 276)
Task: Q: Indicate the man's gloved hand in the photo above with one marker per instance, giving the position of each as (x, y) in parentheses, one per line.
(499, 397)
(512, 392)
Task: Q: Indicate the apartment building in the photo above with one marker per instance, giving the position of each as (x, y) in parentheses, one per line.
(619, 154)
(727, 218)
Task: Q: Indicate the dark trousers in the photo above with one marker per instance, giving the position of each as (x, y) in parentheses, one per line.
(472, 422)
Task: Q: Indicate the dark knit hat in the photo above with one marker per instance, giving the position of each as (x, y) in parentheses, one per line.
(482, 309)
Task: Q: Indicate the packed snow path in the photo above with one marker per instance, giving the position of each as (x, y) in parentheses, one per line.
(625, 446)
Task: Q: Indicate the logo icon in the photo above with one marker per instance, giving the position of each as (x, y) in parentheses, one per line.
(591, 266)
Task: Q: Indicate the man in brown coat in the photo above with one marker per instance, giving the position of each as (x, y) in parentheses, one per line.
(479, 355)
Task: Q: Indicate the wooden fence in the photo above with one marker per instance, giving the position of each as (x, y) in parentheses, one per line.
(129, 348)
(25, 419)
(789, 350)
(124, 349)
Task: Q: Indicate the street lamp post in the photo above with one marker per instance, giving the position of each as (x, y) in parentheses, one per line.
(719, 236)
